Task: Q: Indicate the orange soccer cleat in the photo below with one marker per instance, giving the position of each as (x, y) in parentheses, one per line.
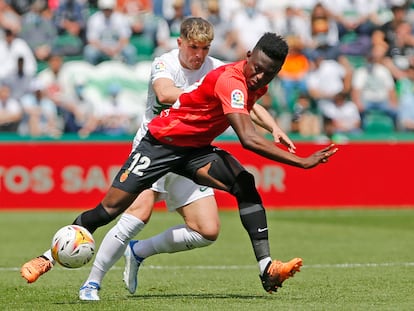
(34, 268)
(277, 272)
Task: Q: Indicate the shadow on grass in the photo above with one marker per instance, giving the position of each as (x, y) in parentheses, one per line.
(198, 296)
(173, 297)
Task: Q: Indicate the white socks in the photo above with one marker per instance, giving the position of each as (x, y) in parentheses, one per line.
(175, 239)
(113, 246)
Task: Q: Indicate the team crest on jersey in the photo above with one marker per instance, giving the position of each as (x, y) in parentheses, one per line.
(237, 99)
(160, 66)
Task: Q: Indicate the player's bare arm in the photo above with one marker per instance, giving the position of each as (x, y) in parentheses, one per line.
(166, 90)
(252, 141)
(262, 118)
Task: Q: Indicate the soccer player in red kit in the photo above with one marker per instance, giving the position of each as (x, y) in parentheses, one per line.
(179, 141)
(203, 110)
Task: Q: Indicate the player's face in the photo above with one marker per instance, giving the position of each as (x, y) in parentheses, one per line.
(192, 53)
(260, 69)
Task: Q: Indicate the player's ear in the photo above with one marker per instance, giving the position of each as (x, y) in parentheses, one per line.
(179, 41)
(248, 54)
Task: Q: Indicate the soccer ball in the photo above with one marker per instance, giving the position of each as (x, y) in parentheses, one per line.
(73, 246)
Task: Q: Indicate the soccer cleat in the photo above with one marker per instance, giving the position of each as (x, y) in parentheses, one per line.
(34, 268)
(132, 263)
(89, 292)
(277, 272)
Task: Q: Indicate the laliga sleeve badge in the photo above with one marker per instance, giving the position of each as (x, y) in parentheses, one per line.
(124, 176)
(237, 99)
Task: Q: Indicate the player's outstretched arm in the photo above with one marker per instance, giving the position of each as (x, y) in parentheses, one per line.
(251, 140)
(262, 117)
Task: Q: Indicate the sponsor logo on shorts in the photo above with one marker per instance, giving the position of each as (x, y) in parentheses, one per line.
(261, 229)
(202, 189)
(124, 176)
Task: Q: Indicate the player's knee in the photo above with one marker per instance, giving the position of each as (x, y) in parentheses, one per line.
(116, 204)
(198, 240)
(244, 189)
(208, 229)
(210, 232)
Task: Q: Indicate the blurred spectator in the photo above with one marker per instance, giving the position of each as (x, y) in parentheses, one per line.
(12, 48)
(38, 30)
(108, 36)
(164, 8)
(228, 9)
(324, 34)
(304, 6)
(125, 6)
(148, 30)
(41, 116)
(293, 23)
(10, 111)
(294, 71)
(70, 19)
(114, 117)
(50, 80)
(85, 119)
(9, 19)
(373, 87)
(340, 116)
(406, 100)
(357, 16)
(18, 80)
(166, 37)
(139, 14)
(400, 54)
(305, 120)
(21, 6)
(174, 23)
(328, 78)
(275, 9)
(224, 44)
(199, 8)
(249, 24)
(399, 14)
(356, 20)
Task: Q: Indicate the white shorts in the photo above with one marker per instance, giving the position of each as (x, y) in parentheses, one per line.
(178, 191)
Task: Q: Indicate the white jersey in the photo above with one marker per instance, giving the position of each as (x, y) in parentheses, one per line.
(176, 190)
(168, 66)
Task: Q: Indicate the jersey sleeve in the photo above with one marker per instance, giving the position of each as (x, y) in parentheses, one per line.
(231, 91)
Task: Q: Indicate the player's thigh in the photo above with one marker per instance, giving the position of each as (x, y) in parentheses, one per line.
(214, 167)
(202, 216)
(195, 203)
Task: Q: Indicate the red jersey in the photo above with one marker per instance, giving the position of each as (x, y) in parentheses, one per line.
(199, 116)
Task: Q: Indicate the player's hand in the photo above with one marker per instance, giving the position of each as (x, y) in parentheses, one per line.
(281, 137)
(321, 156)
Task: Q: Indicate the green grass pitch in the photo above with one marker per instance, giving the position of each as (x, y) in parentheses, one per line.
(354, 259)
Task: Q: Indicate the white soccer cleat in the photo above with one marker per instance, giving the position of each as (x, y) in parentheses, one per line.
(89, 292)
(132, 263)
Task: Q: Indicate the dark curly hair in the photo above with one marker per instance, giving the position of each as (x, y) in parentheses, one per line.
(273, 46)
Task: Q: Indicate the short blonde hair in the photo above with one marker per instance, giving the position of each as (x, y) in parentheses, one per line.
(197, 29)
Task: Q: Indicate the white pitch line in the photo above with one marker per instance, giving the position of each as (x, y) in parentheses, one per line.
(238, 267)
